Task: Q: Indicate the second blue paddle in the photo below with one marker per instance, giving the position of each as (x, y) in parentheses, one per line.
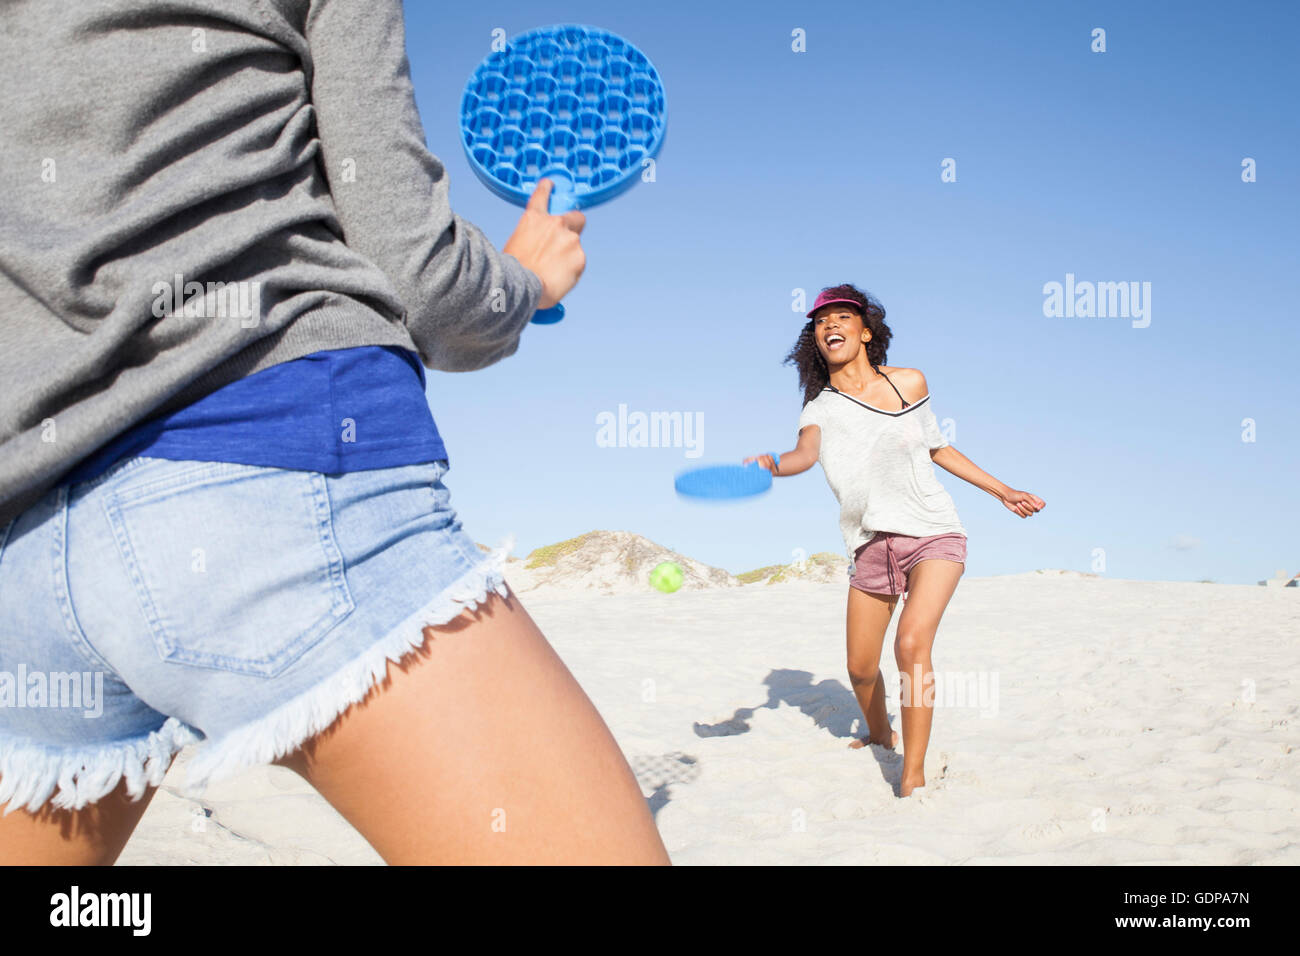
(723, 481)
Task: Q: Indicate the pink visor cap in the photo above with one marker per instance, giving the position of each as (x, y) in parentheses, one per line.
(826, 299)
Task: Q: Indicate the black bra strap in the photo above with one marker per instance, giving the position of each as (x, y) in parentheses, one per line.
(905, 402)
(896, 391)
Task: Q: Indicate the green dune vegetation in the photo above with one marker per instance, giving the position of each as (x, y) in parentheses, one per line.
(548, 555)
(776, 573)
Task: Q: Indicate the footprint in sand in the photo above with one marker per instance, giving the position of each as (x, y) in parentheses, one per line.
(1046, 830)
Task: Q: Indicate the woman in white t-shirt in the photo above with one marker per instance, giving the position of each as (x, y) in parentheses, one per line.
(873, 431)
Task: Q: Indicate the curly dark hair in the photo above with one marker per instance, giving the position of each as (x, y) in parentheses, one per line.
(806, 357)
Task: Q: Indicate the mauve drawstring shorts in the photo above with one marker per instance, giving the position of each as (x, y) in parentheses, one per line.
(884, 564)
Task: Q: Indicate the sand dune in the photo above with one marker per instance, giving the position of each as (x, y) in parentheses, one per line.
(612, 562)
(1122, 722)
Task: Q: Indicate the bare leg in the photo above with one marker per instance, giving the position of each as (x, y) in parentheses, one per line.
(931, 584)
(868, 619)
(92, 836)
(482, 748)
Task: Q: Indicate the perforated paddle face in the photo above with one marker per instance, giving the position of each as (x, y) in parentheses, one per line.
(575, 104)
(723, 481)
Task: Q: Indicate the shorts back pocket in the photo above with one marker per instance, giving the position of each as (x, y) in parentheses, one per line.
(235, 566)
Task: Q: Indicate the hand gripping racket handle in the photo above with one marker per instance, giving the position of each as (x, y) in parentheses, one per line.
(562, 200)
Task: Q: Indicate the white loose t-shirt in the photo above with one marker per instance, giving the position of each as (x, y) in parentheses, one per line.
(877, 463)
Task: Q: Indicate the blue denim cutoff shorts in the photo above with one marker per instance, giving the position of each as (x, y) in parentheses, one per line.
(165, 602)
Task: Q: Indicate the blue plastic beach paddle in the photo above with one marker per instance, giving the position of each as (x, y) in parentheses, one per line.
(724, 481)
(578, 105)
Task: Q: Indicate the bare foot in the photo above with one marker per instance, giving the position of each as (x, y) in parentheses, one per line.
(905, 787)
(863, 741)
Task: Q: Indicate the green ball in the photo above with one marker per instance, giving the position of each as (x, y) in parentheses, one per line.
(667, 577)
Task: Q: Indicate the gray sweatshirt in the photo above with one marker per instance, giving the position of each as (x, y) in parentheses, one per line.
(268, 150)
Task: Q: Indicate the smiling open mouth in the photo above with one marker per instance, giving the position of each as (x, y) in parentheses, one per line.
(834, 340)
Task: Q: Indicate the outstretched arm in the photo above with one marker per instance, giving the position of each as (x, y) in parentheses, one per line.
(954, 462)
(466, 302)
(803, 457)
(951, 460)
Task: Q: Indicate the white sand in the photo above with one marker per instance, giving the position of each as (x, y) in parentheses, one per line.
(1123, 731)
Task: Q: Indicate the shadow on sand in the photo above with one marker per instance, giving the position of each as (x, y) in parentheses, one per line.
(659, 772)
(832, 707)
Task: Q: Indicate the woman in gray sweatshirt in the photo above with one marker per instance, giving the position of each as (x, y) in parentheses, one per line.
(226, 258)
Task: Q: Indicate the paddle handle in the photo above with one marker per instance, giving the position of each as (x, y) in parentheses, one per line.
(562, 200)
(549, 316)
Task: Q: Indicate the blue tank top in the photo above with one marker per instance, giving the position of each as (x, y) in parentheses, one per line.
(333, 411)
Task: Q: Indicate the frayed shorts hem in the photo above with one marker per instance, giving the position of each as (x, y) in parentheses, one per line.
(286, 728)
(32, 774)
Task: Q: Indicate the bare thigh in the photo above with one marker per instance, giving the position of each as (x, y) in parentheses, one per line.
(931, 584)
(867, 620)
(92, 836)
(481, 748)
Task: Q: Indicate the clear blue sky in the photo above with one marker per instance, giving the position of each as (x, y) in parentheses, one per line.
(786, 170)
